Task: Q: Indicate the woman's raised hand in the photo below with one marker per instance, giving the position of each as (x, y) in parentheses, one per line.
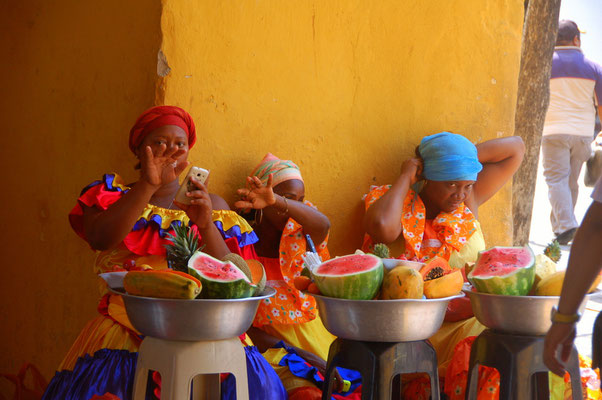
(163, 166)
(412, 168)
(200, 208)
(256, 195)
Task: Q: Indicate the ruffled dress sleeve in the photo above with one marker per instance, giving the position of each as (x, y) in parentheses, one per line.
(237, 233)
(99, 194)
(149, 235)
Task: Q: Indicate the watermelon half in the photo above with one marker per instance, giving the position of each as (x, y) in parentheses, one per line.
(504, 270)
(354, 277)
(220, 280)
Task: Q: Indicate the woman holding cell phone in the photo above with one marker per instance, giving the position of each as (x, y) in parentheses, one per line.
(128, 226)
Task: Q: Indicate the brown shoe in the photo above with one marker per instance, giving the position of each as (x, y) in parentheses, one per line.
(566, 237)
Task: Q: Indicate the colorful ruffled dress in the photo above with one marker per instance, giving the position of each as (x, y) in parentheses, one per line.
(455, 236)
(292, 316)
(103, 357)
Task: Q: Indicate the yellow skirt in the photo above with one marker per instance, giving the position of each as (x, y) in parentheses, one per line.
(311, 336)
(447, 337)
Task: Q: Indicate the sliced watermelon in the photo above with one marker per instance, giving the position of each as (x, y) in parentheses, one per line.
(354, 277)
(221, 280)
(504, 270)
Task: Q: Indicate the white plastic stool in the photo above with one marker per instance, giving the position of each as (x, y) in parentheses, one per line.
(179, 362)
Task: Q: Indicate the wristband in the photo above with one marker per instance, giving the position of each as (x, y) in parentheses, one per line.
(285, 212)
(557, 317)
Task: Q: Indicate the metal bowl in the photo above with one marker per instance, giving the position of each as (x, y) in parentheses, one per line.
(390, 263)
(192, 320)
(521, 315)
(383, 320)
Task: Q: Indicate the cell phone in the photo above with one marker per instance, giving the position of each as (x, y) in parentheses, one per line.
(200, 174)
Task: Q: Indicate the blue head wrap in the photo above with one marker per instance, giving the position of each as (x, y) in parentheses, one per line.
(449, 157)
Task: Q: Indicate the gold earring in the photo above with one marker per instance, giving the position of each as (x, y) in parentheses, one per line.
(260, 212)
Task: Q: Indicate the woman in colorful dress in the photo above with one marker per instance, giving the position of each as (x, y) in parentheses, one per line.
(433, 207)
(128, 225)
(274, 201)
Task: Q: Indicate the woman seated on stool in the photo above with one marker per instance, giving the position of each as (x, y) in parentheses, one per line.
(281, 217)
(433, 207)
(128, 225)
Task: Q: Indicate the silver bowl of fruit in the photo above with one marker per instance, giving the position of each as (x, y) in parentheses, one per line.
(520, 315)
(390, 263)
(192, 320)
(402, 320)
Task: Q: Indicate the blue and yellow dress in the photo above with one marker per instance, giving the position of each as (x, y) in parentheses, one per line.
(103, 357)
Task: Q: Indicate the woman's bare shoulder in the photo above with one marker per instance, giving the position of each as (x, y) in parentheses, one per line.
(218, 202)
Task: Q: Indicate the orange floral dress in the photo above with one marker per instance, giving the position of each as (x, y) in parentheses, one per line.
(288, 305)
(452, 230)
(291, 315)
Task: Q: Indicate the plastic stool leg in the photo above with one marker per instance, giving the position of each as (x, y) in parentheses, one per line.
(472, 381)
(206, 387)
(175, 386)
(575, 374)
(385, 383)
(430, 356)
(140, 380)
(521, 386)
(242, 385)
(507, 383)
(434, 375)
(328, 380)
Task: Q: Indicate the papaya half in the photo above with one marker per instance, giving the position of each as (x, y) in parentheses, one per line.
(434, 268)
(441, 280)
(447, 285)
(165, 284)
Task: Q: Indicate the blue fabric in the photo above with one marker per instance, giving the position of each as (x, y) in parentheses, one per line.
(449, 157)
(301, 368)
(106, 371)
(264, 383)
(244, 239)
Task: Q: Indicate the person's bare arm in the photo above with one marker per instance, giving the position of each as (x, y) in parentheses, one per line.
(584, 265)
(501, 159)
(259, 196)
(105, 229)
(382, 218)
(585, 260)
(314, 223)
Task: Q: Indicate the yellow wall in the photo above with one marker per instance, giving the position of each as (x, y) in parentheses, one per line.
(344, 88)
(75, 75)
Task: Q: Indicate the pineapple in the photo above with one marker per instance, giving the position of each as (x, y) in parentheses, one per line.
(553, 252)
(381, 250)
(183, 245)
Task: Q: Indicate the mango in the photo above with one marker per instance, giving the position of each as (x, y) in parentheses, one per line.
(402, 283)
(552, 284)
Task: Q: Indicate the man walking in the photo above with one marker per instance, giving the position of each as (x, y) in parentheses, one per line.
(575, 92)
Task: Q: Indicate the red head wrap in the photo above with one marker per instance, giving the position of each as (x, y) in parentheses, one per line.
(157, 117)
